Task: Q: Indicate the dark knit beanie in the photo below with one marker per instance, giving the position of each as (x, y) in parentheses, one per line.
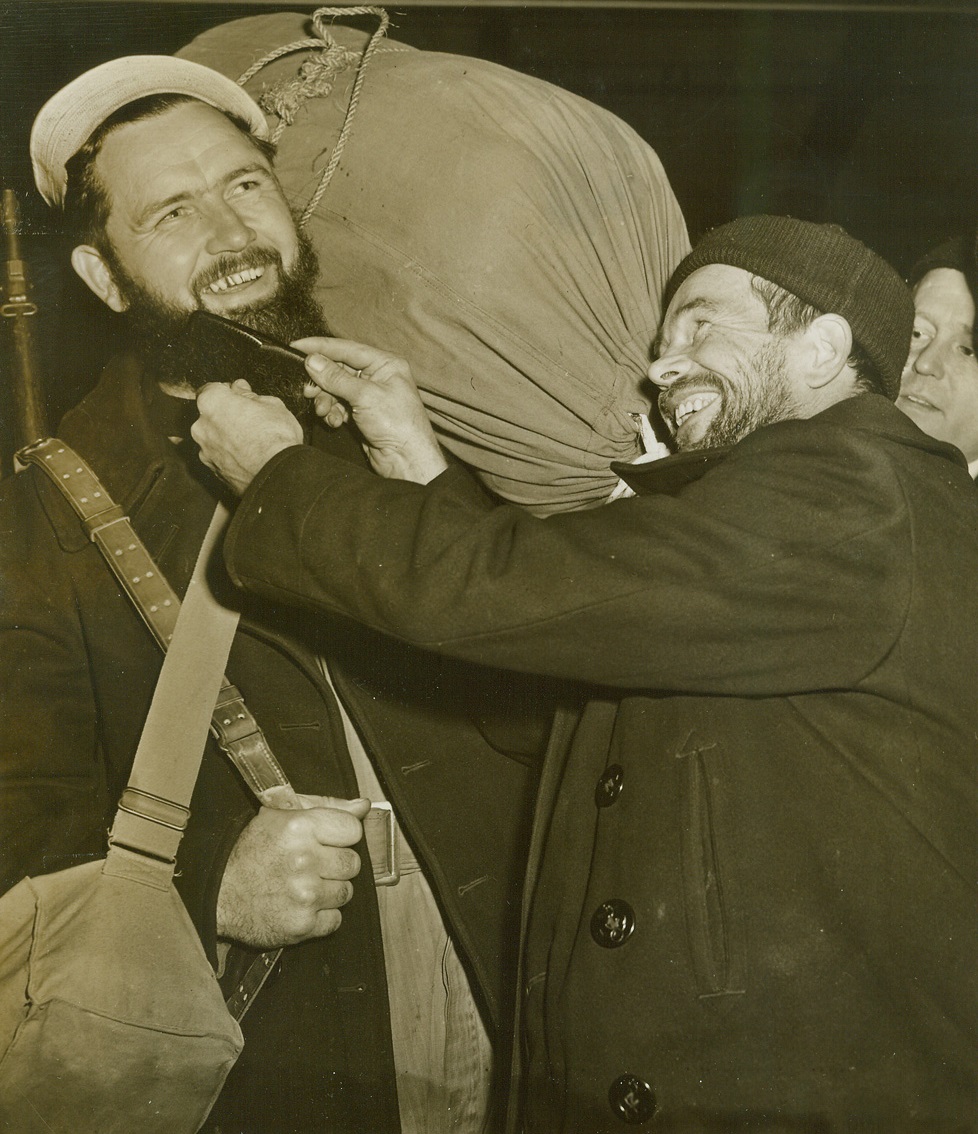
(960, 254)
(956, 253)
(826, 267)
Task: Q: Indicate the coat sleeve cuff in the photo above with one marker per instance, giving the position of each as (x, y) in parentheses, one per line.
(201, 887)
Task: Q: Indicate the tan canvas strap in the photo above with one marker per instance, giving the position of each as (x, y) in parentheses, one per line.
(235, 729)
(155, 806)
(149, 818)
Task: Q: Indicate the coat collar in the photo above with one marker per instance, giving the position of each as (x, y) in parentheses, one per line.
(122, 429)
(870, 413)
(875, 414)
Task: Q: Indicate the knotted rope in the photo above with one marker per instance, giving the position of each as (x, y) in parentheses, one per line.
(315, 80)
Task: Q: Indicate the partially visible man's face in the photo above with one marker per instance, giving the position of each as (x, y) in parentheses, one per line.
(721, 372)
(197, 220)
(939, 388)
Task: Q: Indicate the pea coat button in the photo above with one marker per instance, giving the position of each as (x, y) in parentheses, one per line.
(632, 1100)
(609, 786)
(612, 923)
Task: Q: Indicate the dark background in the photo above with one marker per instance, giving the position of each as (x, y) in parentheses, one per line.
(866, 115)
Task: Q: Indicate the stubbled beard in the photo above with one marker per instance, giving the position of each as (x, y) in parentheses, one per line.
(158, 327)
(762, 398)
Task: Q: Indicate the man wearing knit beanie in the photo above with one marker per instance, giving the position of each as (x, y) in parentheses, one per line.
(754, 872)
(816, 288)
(939, 389)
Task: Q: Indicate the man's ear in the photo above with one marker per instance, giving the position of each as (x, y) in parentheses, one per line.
(89, 263)
(828, 345)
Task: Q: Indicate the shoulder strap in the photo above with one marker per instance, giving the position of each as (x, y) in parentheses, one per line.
(154, 808)
(232, 724)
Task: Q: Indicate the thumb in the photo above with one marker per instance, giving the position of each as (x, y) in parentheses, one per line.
(357, 807)
(282, 797)
(334, 379)
(285, 798)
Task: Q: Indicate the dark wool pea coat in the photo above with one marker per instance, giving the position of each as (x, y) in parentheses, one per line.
(752, 901)
(77, 670)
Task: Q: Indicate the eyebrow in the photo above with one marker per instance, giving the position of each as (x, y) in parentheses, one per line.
(701, 301)
(698, 302)
(175, 198)
(956, 326)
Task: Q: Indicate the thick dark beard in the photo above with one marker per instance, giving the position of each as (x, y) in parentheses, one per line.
(764, 398)
(158, 328)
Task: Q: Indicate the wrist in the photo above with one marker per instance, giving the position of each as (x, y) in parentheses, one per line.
(424, 467)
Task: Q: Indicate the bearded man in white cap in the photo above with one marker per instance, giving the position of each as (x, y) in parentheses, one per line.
(383, 1022)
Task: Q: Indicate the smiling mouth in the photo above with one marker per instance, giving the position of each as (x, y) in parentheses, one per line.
(234, 280)
(916, 400)
(689, 406)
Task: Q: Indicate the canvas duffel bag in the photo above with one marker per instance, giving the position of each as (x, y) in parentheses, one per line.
(508, 238)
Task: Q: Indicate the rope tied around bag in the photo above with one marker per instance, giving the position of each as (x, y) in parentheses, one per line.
(315, 79)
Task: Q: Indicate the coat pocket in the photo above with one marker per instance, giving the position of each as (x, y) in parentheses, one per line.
(714, 926)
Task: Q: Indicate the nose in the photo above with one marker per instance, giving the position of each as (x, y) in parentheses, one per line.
(929, 360)
(228, 232)
(667, 368)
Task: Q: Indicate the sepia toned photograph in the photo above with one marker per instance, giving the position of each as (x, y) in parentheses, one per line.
(488, 641)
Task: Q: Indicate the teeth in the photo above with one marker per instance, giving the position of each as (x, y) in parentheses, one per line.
(236, 279)
(917, 401)
(690, 406)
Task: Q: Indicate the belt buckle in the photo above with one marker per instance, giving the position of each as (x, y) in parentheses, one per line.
(380, 832)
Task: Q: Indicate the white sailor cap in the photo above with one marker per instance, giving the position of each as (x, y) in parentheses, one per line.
(68, 119)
